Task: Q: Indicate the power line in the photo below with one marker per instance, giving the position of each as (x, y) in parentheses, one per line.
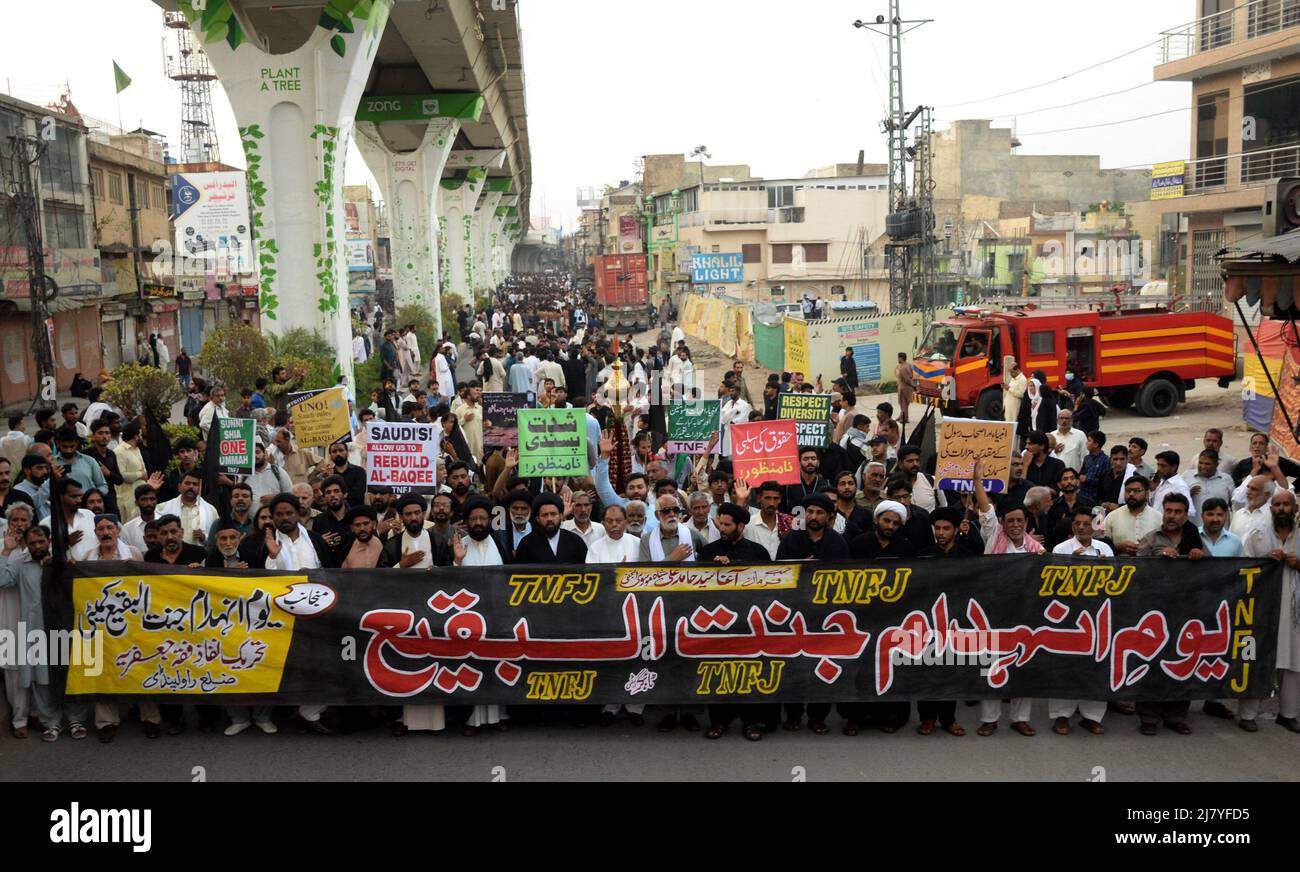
(1256, 92)
(1054, 80)
(1136, 87)
(1076, 102)
(1105, 123)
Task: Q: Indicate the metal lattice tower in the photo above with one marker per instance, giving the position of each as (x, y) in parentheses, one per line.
(910, 225)
(924, 281)
(188, 65)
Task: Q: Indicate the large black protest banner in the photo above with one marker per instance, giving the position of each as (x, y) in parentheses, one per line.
(657, 633)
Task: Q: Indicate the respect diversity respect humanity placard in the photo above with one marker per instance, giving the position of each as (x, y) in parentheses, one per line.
(812, 413)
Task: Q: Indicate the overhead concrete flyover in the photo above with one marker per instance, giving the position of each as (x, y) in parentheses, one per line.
(533, 254)
(434, 94)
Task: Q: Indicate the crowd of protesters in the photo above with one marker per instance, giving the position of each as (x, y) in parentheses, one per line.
(118, 489)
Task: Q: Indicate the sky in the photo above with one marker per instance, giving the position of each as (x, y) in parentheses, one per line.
(780, 86)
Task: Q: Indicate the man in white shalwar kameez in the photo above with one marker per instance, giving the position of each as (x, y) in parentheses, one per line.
(1279, 541)
(479, 548)
(1013, 392)
(617, 546)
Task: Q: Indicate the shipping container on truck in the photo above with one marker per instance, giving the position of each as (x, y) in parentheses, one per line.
(1146, 356)
(622, 291)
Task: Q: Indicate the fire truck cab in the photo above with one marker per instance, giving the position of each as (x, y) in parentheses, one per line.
(1143, 357)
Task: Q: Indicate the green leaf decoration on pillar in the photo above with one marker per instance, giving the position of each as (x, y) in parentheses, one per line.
(340, 48)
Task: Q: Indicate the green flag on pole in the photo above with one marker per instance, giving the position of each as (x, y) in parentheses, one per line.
(120, 76)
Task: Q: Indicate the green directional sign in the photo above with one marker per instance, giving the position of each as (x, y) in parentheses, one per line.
(465, 105)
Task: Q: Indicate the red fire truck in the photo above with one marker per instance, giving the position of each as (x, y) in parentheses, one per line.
(1145, 357)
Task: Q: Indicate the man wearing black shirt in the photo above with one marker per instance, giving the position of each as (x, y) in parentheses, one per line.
(458, 481)
(1060, 519)
(188, 452)
(354, 477)
(1042, 468)
(949, 541)
(916, 527)
(856, 517)
(810, 481)
(817, 541)
(1110, 489)
(1017, 487)
(171, 549)
(885, 541)
(333, 525)
(100, 435)
(949, 544)
(730, 548)
(1254, 464)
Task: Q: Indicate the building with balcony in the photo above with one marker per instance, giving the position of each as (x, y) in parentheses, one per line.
(623, 219)
(794, 236)
(131, 199)
(59, 184)
(1242, 58)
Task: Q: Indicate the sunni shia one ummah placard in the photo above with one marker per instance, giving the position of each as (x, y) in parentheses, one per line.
(673, 634)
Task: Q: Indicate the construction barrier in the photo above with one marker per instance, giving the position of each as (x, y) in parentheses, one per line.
(726, 326)
(769, 345)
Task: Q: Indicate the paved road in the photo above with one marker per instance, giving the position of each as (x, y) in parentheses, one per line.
(1218, 750)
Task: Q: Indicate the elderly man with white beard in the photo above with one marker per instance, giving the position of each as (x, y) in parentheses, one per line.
(672, 541)
(479, 548)
(675, 542)
(1278, 541)
(617, 546)
(1251, 508)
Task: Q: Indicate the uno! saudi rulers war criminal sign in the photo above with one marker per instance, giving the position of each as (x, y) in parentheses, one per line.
(320, 417)
(552, 442)
(812, 414)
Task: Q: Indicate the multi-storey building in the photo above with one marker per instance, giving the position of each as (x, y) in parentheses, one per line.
(1242, 58)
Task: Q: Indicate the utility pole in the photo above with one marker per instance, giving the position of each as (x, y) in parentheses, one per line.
(910, 223)
(25, 153)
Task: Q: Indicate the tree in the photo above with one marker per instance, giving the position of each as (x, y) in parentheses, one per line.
(236, 355)
(450, 326)
(136, 388)
(309, 359)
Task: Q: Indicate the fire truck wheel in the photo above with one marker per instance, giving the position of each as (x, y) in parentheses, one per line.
(1121, 398)
(989, 407)
(1158, 398)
